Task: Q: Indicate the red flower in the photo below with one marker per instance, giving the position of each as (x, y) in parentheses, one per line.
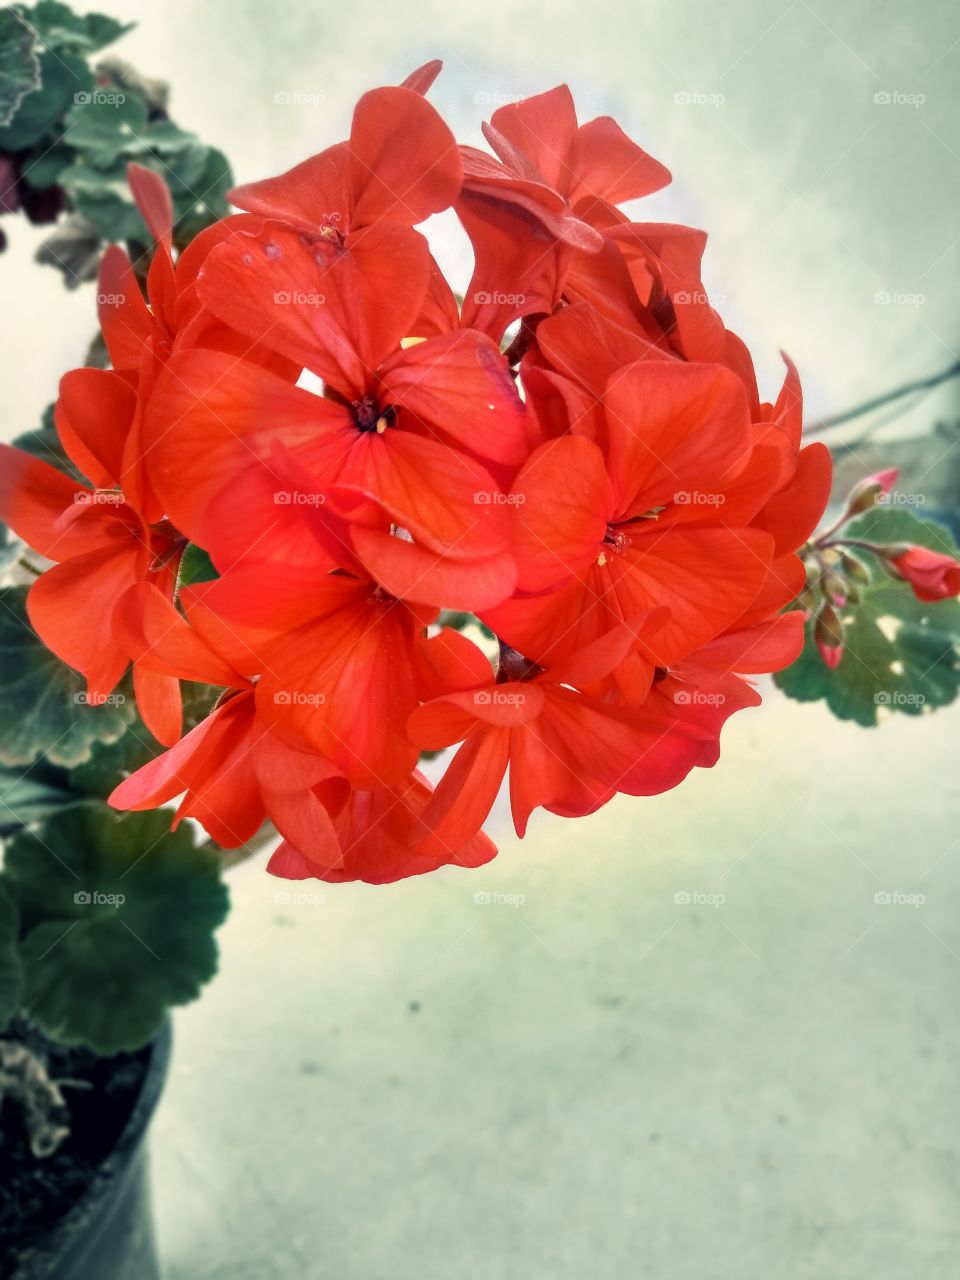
(931, 575)
(549, 178)
(567, 752)
(301, 397)
(400, 164)
(103, 548)
(663, 517)
(340, 664)
(381, 837)
(405, 440)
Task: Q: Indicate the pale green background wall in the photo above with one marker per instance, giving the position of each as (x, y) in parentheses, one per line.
(816, 198)
(599, 1081)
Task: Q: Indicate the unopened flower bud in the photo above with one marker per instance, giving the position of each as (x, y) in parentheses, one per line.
(813, 569)
(828, 635)
(855, 569)
(835, 586)
(865, 493)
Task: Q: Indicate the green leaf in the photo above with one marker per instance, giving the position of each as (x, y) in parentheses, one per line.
(74, 249)
(899, 653)
(204, 199)
(19, 64)
(83, 176)
(111, 762)
(40, 115)
(43, 708)
(120, 914)
(11, 968)
(46, 169)
(61, 28)
(196, 566)
(164, 136)
(26, 799)
(114, 217)
(107, 125)
(896, 524)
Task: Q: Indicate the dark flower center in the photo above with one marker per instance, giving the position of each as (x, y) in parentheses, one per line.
(368, 416)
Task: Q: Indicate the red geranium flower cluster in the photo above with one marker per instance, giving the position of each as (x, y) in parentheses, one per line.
(576, 455)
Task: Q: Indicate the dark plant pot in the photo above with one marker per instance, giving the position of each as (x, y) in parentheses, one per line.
(108, 1234)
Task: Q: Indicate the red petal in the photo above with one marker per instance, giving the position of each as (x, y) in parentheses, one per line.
(94, 417)
(605, 163)
(413, 572)
(152, 197)
(562, 502)
(208, 406)
(159, 639)
(125, 320)
(465, 794)
(793, 514)
(174, 771)
(85, 587)
(405, 164)
(158, 701)
(33, 497)
(337, 310)
(767, 646)
(300, 818)
(311, 195)
(675, 430)
(543, 127)
(345, 686)
(441, 496)
(421, 79)
(458, 384)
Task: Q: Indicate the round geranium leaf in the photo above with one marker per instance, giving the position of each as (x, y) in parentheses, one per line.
(44, 708)
(119, 916)
(19, 64)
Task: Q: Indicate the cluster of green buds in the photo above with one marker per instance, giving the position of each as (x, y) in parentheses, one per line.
(835, 570)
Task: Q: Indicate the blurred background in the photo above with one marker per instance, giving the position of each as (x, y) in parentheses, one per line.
(681, 1038)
